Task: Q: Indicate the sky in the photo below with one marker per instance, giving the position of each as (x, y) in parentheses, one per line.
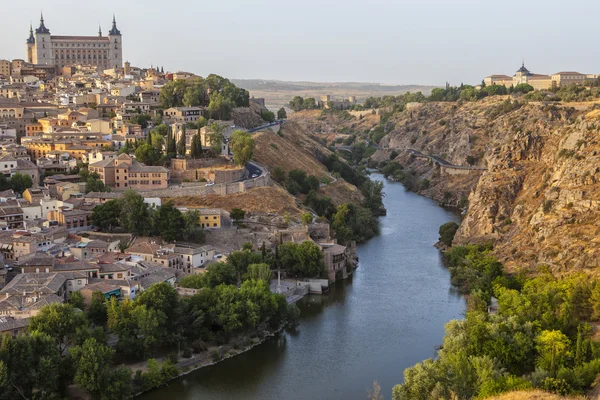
(427, 42)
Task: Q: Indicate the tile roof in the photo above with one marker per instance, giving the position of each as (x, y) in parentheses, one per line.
(10, 324)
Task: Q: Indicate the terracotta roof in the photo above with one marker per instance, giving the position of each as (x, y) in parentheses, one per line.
(38, 258)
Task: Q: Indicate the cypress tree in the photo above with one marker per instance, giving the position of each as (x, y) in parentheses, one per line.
(181, 143)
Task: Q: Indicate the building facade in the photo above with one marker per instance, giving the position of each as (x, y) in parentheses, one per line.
(103, 52)
(539, 81)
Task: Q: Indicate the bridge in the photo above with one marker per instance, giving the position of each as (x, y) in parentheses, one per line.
(443, 163)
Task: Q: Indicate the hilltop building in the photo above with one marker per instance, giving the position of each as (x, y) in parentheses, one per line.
(539, 81)
(103, 52)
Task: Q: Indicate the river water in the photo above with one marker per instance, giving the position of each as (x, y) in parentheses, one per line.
(387, 317)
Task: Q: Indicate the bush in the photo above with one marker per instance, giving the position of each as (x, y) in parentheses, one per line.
(216, 356)
(187, 352)
(199, 346)
(447, 232)
(558, 386)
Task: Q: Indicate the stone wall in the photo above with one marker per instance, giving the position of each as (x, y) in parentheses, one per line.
(219, 189)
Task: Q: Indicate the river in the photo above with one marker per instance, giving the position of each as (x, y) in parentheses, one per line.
(387, 317)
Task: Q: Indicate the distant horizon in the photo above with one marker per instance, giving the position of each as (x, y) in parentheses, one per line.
(390, 42)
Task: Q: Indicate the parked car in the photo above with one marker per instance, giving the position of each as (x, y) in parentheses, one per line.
(210, 184)
(9, 268)
(255, 175)
(217, 256)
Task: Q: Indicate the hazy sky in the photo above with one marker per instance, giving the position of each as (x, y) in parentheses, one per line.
(389, 41)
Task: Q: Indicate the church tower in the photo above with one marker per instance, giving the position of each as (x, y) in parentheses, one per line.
(43, 53)
(116, 43)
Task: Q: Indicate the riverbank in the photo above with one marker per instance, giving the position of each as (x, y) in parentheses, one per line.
(386, 295)
(186, 366)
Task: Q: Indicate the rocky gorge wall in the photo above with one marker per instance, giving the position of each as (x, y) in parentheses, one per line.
(538, 200)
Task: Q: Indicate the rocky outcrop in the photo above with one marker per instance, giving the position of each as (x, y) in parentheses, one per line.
(538, 201)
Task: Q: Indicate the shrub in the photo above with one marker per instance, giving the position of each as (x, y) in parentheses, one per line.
(447, 232)
(199, 346)
(187, 352)
(216, 356)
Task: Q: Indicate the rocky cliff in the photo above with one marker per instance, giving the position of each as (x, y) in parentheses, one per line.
(538, 200)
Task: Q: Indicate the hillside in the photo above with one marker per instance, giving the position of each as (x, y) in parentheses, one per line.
(292, 148)
(538, 200)
(264, 200)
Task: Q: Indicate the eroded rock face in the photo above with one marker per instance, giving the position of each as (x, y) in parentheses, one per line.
(539, 200)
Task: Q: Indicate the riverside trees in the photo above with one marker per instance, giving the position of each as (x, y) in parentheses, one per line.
(39, 365)
(539, 337)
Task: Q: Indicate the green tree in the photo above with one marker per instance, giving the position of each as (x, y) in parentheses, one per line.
(194, 281)
(302, 260)
(94, 372)
(259, 271)
(215, 137)
(76, 301)
(95, 184)
(281, 114)
(278, 174)
(237, 214)
(147, 154)
(191, 226)
(242, 145)
(169, 222)
(20, 182)
(141, 120)
(196, 147)
(307, 218)
(553, 347)
(106, 216)
(59, 321)
(97, 312)
(135, 214)
(220, 273)
(447, 232)
(297, 103)
(342, 232)
(181, 143)
(30, 364)
(220, 107)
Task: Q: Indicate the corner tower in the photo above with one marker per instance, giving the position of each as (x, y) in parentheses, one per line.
(116, 46)
(30, 45)
(43, 53)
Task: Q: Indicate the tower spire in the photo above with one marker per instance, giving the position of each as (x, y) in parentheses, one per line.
(31, 39)
(99, 30)
(114, 30)
(42, 28)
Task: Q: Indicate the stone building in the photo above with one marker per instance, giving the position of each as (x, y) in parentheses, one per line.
(103, 52)
(538, 81)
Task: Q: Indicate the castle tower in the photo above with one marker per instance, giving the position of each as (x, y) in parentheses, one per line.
(116, 43)
(30, 45)
(43, 53)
